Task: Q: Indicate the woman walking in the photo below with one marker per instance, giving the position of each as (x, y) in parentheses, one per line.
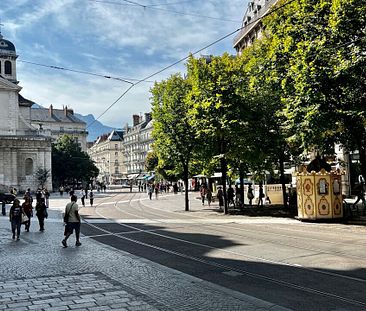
(220, 197)
(209, 196)
(28, 210)
(15, 216)
(91, 197)
(41, 212)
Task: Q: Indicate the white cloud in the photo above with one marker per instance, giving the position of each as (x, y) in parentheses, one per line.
(122, 41)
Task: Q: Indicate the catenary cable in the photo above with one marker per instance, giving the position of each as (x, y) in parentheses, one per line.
(151, 7)
(185, 58)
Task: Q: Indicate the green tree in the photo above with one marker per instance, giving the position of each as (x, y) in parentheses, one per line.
(152, 161)
(217, 110)
(174, 136)
(70, 164)
(42, 176)
(322, 46)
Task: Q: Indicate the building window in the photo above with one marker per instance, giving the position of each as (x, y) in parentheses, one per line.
(116, 146)
(28, 167)
(8, 67)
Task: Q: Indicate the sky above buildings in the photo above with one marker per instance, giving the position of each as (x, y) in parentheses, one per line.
(127, 40)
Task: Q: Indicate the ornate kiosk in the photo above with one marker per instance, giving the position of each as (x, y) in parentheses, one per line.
(319, 193)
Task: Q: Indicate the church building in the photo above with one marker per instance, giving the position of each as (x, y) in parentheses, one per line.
(24, 148)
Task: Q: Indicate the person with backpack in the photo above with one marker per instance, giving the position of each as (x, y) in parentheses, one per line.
(15, 217)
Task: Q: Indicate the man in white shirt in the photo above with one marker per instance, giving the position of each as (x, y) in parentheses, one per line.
(72, 221)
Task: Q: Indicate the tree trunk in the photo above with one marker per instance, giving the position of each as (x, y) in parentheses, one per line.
(282, 180)
(185, 177)
(223, 181)
(241, 178)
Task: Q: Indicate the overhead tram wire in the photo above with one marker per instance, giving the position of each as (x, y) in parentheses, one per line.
(125, 80)
(151, 7)
(183, 59)
(170, 3)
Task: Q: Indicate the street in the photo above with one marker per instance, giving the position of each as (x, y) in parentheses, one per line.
(300, 266)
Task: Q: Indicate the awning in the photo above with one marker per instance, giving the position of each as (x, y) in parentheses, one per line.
(199, 176)
(132, 176)
(151, 177)
(245, 181)
(216, 175)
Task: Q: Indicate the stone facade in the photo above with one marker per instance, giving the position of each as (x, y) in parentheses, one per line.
(57, 122)
(137, 143)
(23, 149)
(107, 153)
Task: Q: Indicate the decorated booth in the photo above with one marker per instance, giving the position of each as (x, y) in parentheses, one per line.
(319, 193)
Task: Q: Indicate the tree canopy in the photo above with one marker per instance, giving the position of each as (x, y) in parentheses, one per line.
(70, 164)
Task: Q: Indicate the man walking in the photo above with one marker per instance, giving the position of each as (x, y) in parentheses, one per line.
(72, 220)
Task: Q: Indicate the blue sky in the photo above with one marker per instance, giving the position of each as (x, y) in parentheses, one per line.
(118, 38)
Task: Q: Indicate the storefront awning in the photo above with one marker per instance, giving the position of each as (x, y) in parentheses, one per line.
(132, 176)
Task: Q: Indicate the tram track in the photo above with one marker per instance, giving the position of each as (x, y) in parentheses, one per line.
(285, 236)
(215, 264)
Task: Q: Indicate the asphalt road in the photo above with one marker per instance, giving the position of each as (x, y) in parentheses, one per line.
(301, 266)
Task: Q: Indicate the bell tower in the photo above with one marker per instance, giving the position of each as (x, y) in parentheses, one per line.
(8, 58)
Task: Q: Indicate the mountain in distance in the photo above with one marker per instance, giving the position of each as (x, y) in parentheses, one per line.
(94, 127)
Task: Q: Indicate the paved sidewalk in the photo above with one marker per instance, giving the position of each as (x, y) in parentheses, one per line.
(38, 274)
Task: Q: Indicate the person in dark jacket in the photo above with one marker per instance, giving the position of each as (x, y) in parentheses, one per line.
(15, 217)
(41, 212)
(28, 210)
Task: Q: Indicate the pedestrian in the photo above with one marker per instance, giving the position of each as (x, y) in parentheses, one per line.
(46, 195)
(250, 194)
(82, 197)
(61, 190)
(41, 213)
(72, 221)
(261, 194)
(203, 193)
(28, 210)
(220, 197)
(39, 195)
(3, 208)
(28, 194)
(156, 188)
(91, 197)
(360, 194)
(209, 196)
(230, 196)
(150, 191)
(15, 217)
(237, 196)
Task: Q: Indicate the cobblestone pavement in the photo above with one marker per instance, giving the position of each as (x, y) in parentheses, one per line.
(38, 274)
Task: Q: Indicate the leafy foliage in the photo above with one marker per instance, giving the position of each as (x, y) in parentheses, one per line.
(69, 164)
(42, 176)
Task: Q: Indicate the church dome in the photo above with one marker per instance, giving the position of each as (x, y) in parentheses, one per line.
(6, 46)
